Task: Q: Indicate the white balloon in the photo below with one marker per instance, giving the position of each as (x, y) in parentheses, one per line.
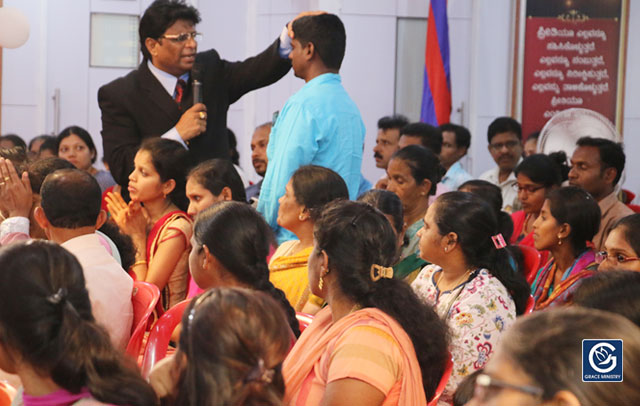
(14, 27)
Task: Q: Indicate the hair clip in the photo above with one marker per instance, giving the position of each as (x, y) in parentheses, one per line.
(378, 272)
(198, 301)
(260, 373)
(498, 241)
(57, 297)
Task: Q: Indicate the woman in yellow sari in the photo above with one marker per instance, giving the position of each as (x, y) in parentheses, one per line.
(308, 190)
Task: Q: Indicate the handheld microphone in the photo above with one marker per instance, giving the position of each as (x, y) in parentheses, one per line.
(196, 83)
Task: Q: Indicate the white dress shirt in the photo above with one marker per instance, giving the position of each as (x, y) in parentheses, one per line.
(109, 287)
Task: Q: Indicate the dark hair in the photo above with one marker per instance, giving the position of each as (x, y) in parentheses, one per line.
(83, 135)
(171, 161)
(216, 174)
(388, 203)
(547, 347)
(38, 170)
(574, 206)
(611, 154)
(492, 195)
(396, 121)
(239, 238)
(462, 134)
(71, 198)
(631, 229)
(161, 15)
(547, 170)
(45, 316)
(42, 138)
(50, 144)
(231, 338)
(504, 125)
(356, 236)
(473, 220)
(613, 291)
(17, 156)
(430, 136)
(16, 140)
(326, 33)
(314, 186)
(533, 136)
(233, 150)
(466, 388)
(423, 163)
(123, 243)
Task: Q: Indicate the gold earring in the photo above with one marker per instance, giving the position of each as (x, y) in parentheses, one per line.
(559, 240)
(321, 281)
(446, 249)
(300, 217)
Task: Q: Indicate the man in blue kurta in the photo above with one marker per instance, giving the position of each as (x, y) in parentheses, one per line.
(318, 125)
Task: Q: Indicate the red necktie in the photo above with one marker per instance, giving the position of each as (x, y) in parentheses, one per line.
(180, 86)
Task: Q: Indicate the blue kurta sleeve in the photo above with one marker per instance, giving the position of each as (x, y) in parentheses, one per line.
(292, 144)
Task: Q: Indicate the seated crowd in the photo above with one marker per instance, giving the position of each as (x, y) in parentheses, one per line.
(307, 288)
(417, 294)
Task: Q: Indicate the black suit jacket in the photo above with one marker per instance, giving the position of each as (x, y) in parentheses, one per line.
(136, 106)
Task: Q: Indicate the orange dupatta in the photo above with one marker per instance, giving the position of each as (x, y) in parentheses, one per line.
(312, 343)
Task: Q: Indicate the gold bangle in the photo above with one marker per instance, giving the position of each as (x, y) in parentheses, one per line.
(142, 262)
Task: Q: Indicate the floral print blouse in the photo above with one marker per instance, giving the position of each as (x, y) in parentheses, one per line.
(477, 311)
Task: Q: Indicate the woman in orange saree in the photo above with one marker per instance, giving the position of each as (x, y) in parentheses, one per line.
(375, 343)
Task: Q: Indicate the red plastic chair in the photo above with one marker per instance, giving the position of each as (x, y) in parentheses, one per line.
(531, 304)
(7, 393)
(160, 335)
(145, 296)
(443, 381)
(304, 320)
(532, 260)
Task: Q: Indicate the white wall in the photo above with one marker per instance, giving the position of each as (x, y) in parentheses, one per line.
(56, 56)
(24, 75)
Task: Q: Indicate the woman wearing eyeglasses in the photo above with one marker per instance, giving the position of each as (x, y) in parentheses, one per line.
(568, 220)
(622, 246)
(536, 176)
(540, 362)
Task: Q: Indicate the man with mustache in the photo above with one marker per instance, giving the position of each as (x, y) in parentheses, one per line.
(387, 143)
(596, 166)
(259, 143)
(157, 100)
(505, 145)
(456, 140)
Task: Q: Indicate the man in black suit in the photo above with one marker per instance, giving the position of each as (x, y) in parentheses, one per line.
(156, 100)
